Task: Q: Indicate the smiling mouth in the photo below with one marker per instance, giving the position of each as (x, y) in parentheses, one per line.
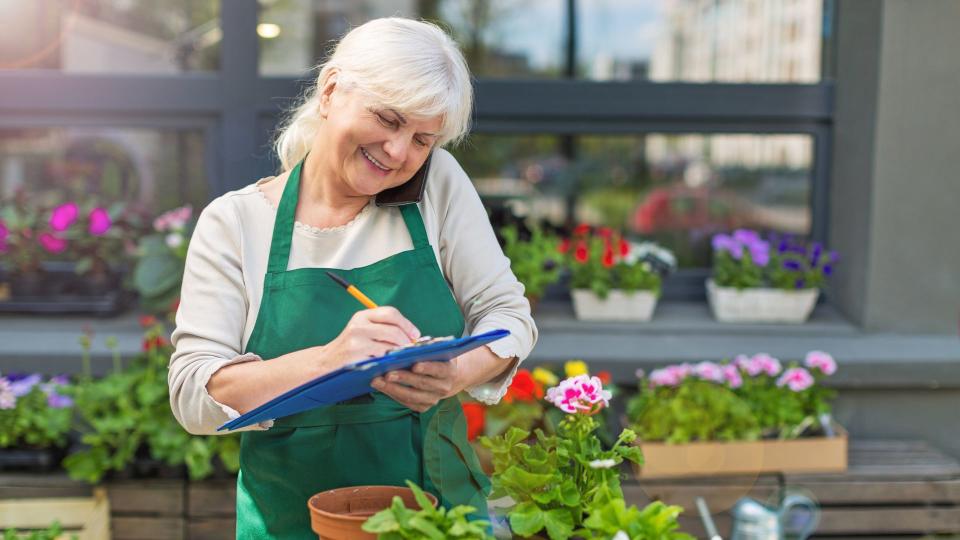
(374, 161)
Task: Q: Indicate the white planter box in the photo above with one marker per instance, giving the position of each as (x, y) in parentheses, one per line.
(617, 306)
(760, 305)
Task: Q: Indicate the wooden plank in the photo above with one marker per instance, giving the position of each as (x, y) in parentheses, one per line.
(147, 497)
(148, 528)
(719, 498)
(87, 517)
(882, 492)
(212, 528)
(217, 498)
(924, 520)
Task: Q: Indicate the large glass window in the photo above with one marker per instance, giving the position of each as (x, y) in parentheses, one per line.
(676, 189)
(658, 40)
(153, 169)
(110, 36)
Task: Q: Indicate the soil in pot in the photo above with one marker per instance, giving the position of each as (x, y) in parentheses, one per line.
(339, 514)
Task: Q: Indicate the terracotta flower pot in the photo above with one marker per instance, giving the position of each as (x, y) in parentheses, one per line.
(339, 514)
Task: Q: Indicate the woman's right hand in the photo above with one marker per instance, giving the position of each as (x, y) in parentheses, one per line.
(370, 332)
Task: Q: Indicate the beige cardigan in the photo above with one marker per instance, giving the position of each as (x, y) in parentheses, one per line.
(227, 259)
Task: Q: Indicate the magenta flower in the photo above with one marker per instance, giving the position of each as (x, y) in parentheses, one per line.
(582, 394)
(63, 216)
(99, 221)
(173, 220)
(4, 234)
(709, 371)
(821, 361)
(51, 243)
(797, 379)
(731, 374)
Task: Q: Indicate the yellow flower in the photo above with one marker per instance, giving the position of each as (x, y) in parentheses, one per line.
(576, 367)
(545, 377)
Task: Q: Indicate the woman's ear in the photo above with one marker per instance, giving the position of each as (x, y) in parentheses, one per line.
(325, 95)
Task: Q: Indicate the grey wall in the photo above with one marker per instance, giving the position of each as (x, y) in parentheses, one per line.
(895, 194)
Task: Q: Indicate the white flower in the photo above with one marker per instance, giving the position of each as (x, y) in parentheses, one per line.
(174, 240)
(602, 464)
(621, 536)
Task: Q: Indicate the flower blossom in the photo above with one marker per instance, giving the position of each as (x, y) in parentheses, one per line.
(670, 375)
(731, 374)
(173, 220)
(572, 368)
(709, 371)
(544, 376)
(21, 386)
(821, 361)
(602, 463)
(763, 364)
(797, 379)
(8, 399)
(99, 222)
(51, 243)
(580, 394)
(63, 216)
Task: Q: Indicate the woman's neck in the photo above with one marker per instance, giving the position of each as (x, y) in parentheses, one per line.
(324, 201)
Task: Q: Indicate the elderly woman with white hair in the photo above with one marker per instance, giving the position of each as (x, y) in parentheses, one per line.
(365, 189)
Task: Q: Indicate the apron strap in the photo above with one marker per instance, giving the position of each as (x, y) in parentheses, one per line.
(414, 221)
(283, 223)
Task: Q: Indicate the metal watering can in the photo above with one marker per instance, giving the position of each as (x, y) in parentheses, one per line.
(752, 520)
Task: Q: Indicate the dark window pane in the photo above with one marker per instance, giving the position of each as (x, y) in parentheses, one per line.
(154, 170)
(676, 189)
(110, 36)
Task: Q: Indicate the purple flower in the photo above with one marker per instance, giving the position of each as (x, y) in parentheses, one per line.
(760, 254)
(99, 222)
(63, 216)
(815, 252)
(790, 264)
(57, 401)
(827, 269)
(747, 236)
(23, 385)
(723, 242)
(797, 379)
(799, 283)
(4, 234)
(783, 246)
(834, 256)
(8, 399)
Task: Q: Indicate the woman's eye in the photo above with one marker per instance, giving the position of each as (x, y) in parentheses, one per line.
(420, 142)
(386, 121)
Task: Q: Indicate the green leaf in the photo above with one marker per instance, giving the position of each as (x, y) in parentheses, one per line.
(559, 523)
(527, 519)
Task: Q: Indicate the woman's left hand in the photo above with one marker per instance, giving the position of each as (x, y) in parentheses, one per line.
(423, 385)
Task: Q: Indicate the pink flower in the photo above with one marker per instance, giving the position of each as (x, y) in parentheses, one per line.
(99, 221)
(173, 220)
(8, 399)
(731, 374)
(581, 394)
(763, 363)
(51, 243)
(798, 379)
(741, 361)
(821, 361)
(4, 234)
(709, 371)
(63, 216)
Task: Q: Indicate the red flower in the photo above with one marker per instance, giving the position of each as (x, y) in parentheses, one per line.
(475, 414)
(581, 255)
(607, 259)
(604, 377)
(564, 246)
(624, 248)
(605, 232)
(175, 305)
(153, 343)
(523, 388)
(147, 320)
(582, 229)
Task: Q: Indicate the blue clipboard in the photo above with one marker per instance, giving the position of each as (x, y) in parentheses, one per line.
(354, 379)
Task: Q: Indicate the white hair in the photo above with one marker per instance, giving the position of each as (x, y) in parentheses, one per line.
(411, 66)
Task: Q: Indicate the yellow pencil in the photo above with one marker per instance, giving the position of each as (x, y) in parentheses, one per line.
(355, 292)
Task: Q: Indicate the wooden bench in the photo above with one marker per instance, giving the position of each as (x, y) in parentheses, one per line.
(898, 489)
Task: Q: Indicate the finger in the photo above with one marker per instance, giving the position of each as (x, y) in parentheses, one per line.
(440, 370)
(419, 407)
(411, 397)
(390, 315)
(421, 382)
(386, 333)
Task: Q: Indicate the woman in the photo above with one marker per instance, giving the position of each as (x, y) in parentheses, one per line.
(365, 189)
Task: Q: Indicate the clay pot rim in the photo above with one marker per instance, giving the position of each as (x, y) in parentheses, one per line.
(347, 517)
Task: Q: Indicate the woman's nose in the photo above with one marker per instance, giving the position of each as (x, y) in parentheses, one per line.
(396, 147)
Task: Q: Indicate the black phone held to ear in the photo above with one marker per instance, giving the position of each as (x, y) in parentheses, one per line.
(408, 192)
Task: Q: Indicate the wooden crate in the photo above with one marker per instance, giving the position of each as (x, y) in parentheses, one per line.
(898, 489)
(86, 517)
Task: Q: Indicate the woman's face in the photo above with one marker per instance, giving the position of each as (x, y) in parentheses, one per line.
(369, 147)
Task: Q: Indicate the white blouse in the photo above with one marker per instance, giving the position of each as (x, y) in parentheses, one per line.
(227, 260)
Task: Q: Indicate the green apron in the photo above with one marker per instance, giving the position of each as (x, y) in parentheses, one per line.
(370, 440)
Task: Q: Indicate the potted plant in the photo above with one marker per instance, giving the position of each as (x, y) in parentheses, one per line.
(160, 259)
(747, 416)
(613, 279)
(21, 250)
(400, 522)
(534, 260)
(340, 514)
(772, 280)
(557, 482)
(35, 419)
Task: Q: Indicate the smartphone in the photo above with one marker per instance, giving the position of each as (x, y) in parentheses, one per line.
(408, 192)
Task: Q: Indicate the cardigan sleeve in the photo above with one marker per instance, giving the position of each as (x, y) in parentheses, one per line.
(489, 294)
(210, 321)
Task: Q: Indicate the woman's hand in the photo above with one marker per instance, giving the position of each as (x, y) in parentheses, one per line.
(370, 332)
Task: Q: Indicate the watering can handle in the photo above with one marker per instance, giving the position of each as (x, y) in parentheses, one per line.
(791, 501)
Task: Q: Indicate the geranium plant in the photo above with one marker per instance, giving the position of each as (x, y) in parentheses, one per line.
(34, 411)
(161, 257)
(744, 259)
(401, 523)
(534, 259)
(748, 398)
(601, 260)
(556, 478)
